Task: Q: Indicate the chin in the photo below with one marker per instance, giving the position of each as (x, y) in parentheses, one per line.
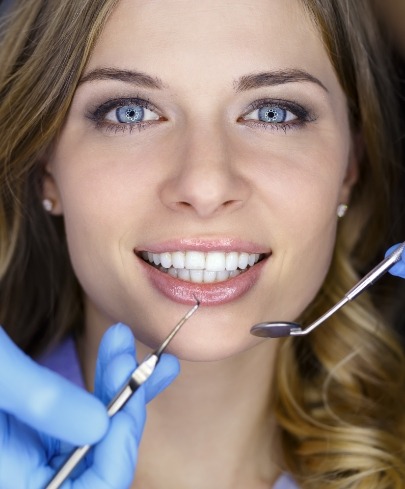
(212, 348)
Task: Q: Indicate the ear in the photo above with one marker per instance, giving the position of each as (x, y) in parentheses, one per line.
(353, 167)
(50, 192)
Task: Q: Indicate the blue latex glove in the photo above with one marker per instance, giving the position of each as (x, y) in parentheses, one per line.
(399, 268)
(39, 408)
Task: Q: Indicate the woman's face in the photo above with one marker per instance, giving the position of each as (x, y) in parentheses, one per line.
(205, 135)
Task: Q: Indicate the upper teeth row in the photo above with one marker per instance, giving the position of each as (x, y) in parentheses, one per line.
(213, 261)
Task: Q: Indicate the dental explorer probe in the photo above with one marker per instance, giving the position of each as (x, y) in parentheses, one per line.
(137, 378)
(280, 329)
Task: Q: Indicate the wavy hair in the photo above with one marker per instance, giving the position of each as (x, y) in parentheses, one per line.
(339, 394)
(44, 48)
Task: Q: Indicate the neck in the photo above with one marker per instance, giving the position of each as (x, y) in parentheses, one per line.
(211, 427)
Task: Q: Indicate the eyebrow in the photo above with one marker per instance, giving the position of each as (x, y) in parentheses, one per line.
(244, 83)
(136, 78)
(271, 78)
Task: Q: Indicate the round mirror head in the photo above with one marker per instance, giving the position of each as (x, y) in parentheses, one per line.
(274, 330)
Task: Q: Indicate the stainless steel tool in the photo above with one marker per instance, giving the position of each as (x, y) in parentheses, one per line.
(137, 378)
(280, 329)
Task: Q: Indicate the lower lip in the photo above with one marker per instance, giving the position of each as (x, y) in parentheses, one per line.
(208, 294)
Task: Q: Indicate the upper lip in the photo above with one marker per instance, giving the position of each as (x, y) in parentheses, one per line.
(204, 244)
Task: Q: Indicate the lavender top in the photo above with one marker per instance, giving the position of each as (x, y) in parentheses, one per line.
(65, 361)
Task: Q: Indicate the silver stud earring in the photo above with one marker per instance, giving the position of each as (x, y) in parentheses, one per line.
(341, 210)
(48, 205)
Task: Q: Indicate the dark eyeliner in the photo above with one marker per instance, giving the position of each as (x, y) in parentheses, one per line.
(303, 115)
(98, 114)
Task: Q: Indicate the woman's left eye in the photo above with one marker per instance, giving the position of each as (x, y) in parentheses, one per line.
(277, 114)
(273, 114)
(131, 114)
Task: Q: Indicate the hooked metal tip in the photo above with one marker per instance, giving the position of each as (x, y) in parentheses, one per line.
(174, 331)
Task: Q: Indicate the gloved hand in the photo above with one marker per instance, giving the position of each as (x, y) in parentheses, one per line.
(42, 415)
(399, 268)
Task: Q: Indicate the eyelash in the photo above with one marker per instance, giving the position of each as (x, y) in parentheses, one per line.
(303, 116)
(97, 115)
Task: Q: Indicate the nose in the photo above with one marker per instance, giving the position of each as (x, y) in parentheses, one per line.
(207, 180)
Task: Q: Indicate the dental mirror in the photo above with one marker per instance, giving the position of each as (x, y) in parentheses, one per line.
(281, 329)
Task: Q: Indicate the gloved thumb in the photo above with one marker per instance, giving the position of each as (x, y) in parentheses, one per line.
(117, 360)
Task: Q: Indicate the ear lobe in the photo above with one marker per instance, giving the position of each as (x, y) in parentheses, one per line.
(50, 193)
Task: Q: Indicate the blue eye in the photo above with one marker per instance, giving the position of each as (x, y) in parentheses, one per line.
(275, 114)
(130, 113)
(121, 112)
(272, 114)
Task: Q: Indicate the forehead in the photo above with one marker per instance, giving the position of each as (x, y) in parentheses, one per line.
(200, 41)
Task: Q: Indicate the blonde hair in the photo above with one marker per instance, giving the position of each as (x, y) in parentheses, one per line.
(340, 392)
(44, 49)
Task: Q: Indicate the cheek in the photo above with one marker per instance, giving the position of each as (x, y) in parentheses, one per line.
(301, 183)
(94, 192)
(301, 186)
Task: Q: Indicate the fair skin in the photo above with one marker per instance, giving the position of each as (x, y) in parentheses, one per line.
(204, 174)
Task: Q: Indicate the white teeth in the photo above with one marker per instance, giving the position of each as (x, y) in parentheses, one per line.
(195, 260)
(243, 260)
(231, 261)
(197, 276)
(200, 267)
(183, 274)
(166, 260)
(178, 259)
(215, 262)
(223, 275)
(209, 277)
(173, 272)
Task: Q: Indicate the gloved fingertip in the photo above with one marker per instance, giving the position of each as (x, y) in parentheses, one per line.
(165, 373)
(170, 364)
(117, 339)
(398, 269)
(113, 376)
(391, 249)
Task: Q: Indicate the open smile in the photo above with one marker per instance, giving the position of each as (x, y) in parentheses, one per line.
(202, 268)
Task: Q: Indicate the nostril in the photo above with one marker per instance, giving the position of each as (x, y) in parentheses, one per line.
(230, 202)
(180, 205)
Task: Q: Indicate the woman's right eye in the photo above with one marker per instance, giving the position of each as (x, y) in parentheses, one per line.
(131, 114)
(120, 115)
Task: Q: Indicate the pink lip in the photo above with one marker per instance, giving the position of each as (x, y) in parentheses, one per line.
(209, 294)
(201, 244)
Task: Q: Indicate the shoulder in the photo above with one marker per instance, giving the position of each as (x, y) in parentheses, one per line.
(285, 481)
(64, 360)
